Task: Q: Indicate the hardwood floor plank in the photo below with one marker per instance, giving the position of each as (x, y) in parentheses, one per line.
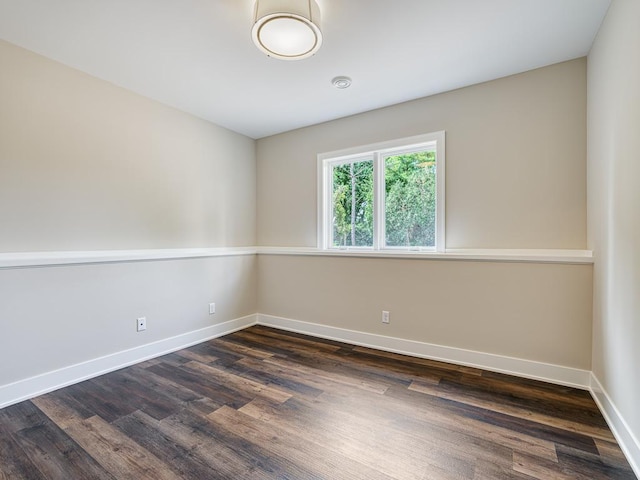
(256, 342)
(578, 440)
(20, 416)
(14, 462)
(459, 419)
(506, 423)
(533, 469)
(577, 408)
(388, 371)
(100, 401)
(240, 384)
(593, 464)
(238, 348)
(495, 471)
(419, 361)
(199, 383)
(227, 357)
(523, 384)
(116, 452)
(58, 410)
(544, 470)
(195, 433)
(56, 455)
(152, 381)
(373, 387)
(524, 388)
(321, 462)
(257, 457)
(294, 335)
(139, 396)
(190, 354)
(293, 344)
(610, 450)
(394, 453)
(307, 381)
(256, 372)
(513, 408)
(143, 429)
(358, 365)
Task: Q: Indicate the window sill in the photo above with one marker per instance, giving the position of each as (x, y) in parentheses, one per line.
(486, 255)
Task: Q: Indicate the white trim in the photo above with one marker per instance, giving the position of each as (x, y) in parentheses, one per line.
(482, 255)
(47, 382)
(408, 142)
(624, 435)
(557, 374)
(42, 259)
(441, 242)
(379, 203)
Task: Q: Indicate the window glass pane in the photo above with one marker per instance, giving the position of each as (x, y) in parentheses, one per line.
(352, 204)
(410, 199)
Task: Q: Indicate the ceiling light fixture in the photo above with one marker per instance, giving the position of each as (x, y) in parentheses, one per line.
(287, 29)
(341, 82)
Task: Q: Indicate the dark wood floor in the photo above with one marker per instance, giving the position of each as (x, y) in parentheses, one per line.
(261, 403)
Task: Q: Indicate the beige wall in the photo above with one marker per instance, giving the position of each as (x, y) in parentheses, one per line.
(516, 149)
(516, 178)
(85, 165)
(536, 312)
(614, 208)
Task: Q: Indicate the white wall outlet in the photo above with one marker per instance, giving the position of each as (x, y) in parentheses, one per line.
(385, 316)
(142, 323)
(212, 308)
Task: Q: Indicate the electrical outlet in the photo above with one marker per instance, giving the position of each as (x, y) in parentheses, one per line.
(142, 323)
(385, 316)
(212, 308)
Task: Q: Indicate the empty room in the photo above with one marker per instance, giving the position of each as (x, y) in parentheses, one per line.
(319, 239)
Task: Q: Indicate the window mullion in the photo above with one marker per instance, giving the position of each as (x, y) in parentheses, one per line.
(378, 201)
(440, 194)
(328, 206)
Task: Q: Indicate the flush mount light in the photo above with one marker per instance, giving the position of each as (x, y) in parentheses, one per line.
(341, 82)
(287, 29)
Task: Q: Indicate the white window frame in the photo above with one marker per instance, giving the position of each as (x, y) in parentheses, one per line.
(378, 152)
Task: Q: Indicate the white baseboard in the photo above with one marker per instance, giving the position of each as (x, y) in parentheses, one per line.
(512, 366)
(47, 382)
(620, 428)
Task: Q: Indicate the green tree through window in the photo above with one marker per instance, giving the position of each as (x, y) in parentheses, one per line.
(410, 199)
(353, 204)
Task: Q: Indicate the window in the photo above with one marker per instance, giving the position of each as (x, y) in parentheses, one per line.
(388, 196)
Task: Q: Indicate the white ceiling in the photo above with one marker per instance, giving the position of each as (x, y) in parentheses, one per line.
(197, 55)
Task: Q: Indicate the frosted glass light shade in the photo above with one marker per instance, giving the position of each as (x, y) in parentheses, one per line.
(287, 29)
